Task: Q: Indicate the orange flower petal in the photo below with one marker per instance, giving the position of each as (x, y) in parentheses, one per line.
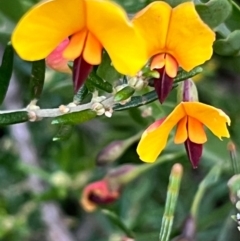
(181, 133)
(152, 143)
(214, 119)
(189, 39)
(92, 52)
(152, 22)
(158, 61)
(108, 22)
(171, 66)
(196, 131)
(45, 26)
(75, 47)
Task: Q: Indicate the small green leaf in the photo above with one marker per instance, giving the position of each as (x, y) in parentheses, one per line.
(233, 20)
(124, 93)
(174, 3)
(63, 133)
(138, 101)
(6, 71)
(214, 12)
(229, 46)
(81, 94)
(13, 117)
(118, 222)
(90, 86)
(106, 71)
(37, 78)
(183, 75)
(74, 117)
(99, 83)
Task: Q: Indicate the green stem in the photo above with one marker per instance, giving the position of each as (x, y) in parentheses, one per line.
(210, 179)
(171, 201)
(128, 177)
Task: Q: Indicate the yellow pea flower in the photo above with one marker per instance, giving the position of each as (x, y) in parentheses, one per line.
(91, 26)
(173, 37)
(189, 117)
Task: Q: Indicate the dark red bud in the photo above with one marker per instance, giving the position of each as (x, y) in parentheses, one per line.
(98, 193)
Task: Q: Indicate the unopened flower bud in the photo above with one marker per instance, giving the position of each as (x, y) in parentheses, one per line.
(187, 91)
(189, 230)
(98, 193)
(234, 187)
(110, 153)
(115, 149)
(99, 108)
(119, 176)
(138, 83)
(233, 157)
(60, 179)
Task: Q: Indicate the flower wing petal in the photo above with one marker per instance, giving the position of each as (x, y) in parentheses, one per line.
(189, 39)
(154, 141)
(92, 52)
(76, 45)
(45, 26)
(55, 60)
(111, 26)
(196, 132)
(152, 22)
(214, 119)
(181, 132)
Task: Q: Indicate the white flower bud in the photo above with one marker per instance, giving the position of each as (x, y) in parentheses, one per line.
(98, 108)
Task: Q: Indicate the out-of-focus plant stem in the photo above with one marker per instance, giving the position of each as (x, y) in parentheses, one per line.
(124, 179)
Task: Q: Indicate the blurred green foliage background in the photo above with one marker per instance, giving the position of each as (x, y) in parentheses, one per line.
(42, 180)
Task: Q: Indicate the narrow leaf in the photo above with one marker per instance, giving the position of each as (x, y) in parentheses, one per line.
(118, 222)
(75, 117)
(63, 133)
(124, 93)
(37, 78)
(13, 117)
(106, 71)
(80, 95)
(183, 75)
(99, 83)
(6, 71)
(138, 101)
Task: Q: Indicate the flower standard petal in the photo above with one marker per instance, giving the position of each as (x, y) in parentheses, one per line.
(152, 22)
(189, 39)
(45, 26)
(214, 119)
(111, 26)
(154, 140)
